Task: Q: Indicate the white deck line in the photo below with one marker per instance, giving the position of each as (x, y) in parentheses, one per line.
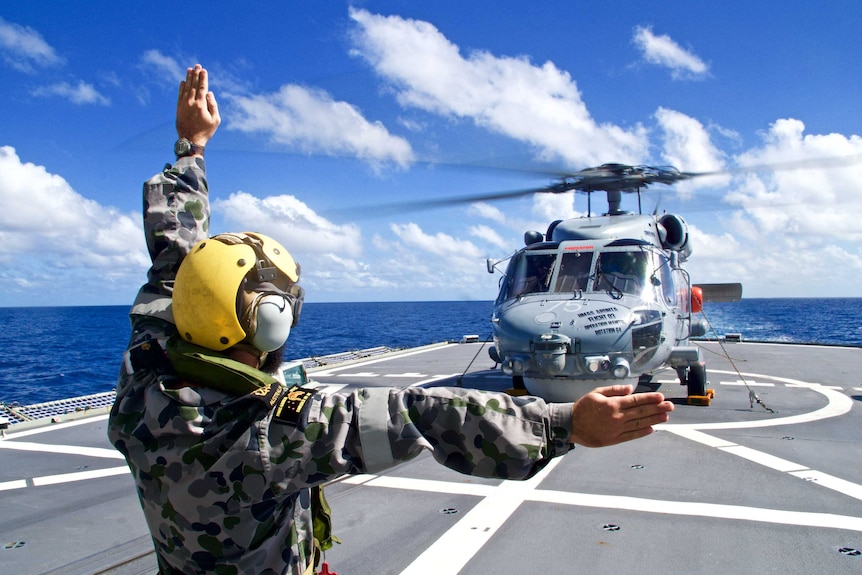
(454, 549)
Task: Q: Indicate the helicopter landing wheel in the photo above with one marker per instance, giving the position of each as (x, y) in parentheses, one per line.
(696, 380)
(518, 388)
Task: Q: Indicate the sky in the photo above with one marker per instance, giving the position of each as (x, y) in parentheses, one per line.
(332, 108)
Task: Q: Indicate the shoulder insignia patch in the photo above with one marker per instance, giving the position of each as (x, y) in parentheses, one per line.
(148, 355)
(290, 404)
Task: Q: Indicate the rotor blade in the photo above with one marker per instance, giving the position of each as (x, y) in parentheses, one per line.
(626, 178)
(806, 164)
(604, 178)
(419, 205)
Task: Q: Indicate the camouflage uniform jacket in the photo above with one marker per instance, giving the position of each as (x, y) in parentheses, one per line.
(225, 485)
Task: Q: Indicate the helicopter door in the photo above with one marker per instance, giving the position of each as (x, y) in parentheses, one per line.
(668, 285)
(683, 284)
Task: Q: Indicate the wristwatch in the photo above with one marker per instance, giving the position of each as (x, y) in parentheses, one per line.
(185, 147)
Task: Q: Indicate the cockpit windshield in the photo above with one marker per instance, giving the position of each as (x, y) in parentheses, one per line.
(573, 270)
(530, 273)
(623, 272)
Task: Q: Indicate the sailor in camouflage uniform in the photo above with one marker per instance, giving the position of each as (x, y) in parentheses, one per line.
(224, 458)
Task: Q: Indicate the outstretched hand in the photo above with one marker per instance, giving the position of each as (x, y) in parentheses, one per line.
(197, 110)
(611, 415)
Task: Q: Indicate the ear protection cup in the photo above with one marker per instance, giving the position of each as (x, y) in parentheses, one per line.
(271, 323)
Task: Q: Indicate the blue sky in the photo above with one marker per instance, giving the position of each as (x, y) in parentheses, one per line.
(328, 107)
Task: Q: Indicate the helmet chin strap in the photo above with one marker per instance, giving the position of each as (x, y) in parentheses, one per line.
(268, 362)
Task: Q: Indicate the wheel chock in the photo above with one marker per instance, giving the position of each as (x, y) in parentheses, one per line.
(701, 399)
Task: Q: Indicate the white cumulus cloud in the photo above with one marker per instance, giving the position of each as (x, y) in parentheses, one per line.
(686, 145)
(82, 93)
(290, 221)
(537, 104)
(813, 186)
(663, 51)
(51, 236)
(165, 68)
(24, 49)
(795, 227)
(489, 235)
(314, 121)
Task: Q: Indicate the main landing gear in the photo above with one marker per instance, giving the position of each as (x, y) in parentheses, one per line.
(694, 377)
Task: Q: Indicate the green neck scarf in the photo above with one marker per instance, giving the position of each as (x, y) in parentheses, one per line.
(215, 370)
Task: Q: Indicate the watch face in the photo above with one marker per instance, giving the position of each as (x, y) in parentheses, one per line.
(182, 147)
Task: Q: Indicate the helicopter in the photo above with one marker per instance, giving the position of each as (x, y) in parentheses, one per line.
(603, 299)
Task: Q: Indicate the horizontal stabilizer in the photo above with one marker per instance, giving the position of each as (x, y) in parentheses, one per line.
(721, 292)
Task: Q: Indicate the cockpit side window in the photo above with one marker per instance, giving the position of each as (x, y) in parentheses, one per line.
(574, 271)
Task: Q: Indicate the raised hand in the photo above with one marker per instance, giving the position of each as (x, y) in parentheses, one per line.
(611, 415)
(197, 110)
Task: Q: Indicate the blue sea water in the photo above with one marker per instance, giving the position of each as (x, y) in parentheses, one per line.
(49, 353)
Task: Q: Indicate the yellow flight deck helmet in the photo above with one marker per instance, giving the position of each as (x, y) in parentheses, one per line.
(234, 288)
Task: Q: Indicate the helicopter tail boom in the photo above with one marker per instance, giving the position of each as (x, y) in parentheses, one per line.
(727, 292)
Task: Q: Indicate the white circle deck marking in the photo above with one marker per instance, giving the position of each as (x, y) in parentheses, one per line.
(837, 404)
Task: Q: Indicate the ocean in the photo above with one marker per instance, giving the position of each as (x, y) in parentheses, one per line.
(49, 353)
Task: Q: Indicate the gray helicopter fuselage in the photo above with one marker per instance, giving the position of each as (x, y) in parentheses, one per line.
(630, 226)
(602, 300)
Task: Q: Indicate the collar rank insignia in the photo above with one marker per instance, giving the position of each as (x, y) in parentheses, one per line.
(269, 393)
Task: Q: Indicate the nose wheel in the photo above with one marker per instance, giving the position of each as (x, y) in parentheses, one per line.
(518, 388)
